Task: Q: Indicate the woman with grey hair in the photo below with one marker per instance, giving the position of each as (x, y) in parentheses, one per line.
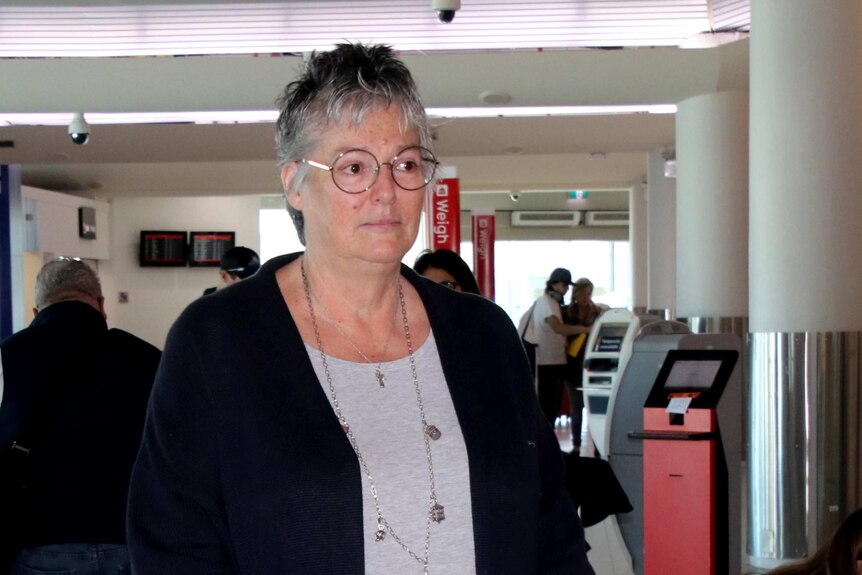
(335, 413)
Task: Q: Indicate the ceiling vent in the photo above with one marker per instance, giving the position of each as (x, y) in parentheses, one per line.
(615, 218)
(539, 219)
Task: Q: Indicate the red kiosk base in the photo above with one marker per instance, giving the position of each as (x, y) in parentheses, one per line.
(679, 493)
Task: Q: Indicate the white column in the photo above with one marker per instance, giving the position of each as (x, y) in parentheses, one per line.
(712, 206)
(661, 222)
(638, 243)
(805, 270)
(806, 159)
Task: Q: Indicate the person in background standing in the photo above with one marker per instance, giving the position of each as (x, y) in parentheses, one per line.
(582, 311)
(71, 417)
(236, 264)
(550, 333)
(446, 268)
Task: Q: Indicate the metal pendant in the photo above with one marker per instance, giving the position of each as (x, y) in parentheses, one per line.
(437, 514)
(381, 379)
(379, 535)
(433, 432)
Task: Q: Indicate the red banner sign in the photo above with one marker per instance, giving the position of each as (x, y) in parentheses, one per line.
(444, 215)
(483, 250)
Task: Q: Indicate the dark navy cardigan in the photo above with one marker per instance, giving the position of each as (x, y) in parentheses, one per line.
(245, 469)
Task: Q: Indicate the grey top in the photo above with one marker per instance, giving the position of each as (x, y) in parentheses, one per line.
(387, 427)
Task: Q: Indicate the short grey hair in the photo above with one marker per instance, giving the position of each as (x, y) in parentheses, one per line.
(348, 80)
(66, 279)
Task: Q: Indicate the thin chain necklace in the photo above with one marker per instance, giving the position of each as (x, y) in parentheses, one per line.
(435, 510)
(378, 370)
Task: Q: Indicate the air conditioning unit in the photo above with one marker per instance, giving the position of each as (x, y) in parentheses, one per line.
(615, 218)
(537, 219)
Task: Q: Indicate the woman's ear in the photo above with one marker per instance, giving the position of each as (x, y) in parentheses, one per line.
(288, 172)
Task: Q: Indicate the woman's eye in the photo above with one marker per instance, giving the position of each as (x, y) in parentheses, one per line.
(353, 168)
(408, 166)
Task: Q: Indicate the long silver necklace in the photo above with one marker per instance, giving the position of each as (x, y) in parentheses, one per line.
(435, 509)
(378, 370)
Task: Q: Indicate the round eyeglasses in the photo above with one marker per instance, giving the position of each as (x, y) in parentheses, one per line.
(355, 171)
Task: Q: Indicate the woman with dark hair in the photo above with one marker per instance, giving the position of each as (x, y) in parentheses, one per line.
(335, 413)
(839, 555)
(446, 268)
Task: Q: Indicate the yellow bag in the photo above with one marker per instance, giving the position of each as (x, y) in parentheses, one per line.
(574, 346)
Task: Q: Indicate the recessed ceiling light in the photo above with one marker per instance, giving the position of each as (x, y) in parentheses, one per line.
(495, 98)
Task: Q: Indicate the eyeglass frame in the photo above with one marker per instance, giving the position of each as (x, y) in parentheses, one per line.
(331, 168)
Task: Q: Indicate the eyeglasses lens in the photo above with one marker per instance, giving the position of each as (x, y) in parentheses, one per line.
(356, 170)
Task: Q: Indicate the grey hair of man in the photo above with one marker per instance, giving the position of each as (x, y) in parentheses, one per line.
(340, 86)
(67, 279)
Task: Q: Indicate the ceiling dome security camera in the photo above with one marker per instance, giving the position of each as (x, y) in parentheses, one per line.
(446, 9)
(79, 130)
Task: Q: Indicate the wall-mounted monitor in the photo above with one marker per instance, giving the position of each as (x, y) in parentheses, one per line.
(207, 248)
(161, 248)
(87, 223)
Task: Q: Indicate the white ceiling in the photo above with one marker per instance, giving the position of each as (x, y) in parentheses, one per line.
(509, 153)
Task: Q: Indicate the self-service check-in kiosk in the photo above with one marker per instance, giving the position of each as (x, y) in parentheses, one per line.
(609, 347)
(690, 469)
(649, 351)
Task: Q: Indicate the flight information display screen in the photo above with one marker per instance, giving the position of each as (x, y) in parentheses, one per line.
(161, 248)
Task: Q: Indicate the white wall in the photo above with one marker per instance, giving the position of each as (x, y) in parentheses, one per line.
(158, 295)
(51, 225)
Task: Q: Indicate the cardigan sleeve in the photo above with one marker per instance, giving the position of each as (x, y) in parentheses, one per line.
(175, 520)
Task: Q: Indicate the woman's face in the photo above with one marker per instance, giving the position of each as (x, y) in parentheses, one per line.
(441, 276)
(378, 225)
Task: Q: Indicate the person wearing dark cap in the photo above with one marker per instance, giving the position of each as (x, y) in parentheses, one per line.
(237, 263)
(550, 334)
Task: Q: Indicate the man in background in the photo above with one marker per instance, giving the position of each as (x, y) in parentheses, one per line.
(74, 396)
(550, 333)
(237, 264)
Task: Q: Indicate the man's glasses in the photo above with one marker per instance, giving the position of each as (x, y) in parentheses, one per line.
(355, 171)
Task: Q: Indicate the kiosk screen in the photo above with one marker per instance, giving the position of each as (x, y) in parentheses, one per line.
(701, 374)
(688, 374)
(610, 338)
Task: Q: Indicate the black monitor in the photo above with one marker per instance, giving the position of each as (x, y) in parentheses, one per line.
(160, 248)
(610, 337)
(700, 374)
(207, 248)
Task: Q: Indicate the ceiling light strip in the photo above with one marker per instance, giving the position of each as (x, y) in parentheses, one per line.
(301, 26)
(269, 116)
